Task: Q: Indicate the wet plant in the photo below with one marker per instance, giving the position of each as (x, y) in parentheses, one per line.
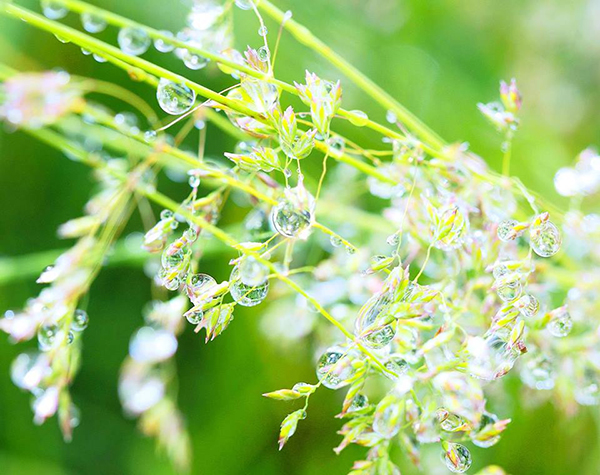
(464, 276)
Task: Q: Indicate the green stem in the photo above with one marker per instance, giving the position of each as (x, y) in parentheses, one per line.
(304, 36)
(89, 42)
(119, 21)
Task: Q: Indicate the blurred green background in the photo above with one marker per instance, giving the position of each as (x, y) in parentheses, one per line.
(439, 58)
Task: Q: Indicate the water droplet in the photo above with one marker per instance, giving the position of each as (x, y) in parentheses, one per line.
(561, 324)
(198, 287)
(545, 239)
(98, 58)
(263, 31)
(200, 124)
(528, 305)
(510, 291)
(335, 241)
(166, 214)
(195, 318)
(457, 458)
(263, 54)
(171, 260)
(359, 402)
(194, 61)
(358, 118)
(246, 295)
(86, 52)
(397, 365)
(70, 337)
(393, 239)
(162, 45)
(80, 320)
(244, 4)
(62, 39)
(292, 217)
(499, 270)
(370, 325)
(190, 235)
(252, 272)
(48, 275)
(172, 284)
(54, 10)
(483, 438)
(173, 98)
(287, 16)
(492, 356)
(506, 230)
(150, 135)
(47, 337)
(92, 23)
(194, 181)
(133, 41)
(335, 368)
(448, 421)
(337, 143)
(390, 116)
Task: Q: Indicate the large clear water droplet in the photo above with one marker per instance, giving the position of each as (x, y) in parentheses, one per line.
(545, 239)
(510, 291)
(483, 438)
(457, 458)
(369, 323)
(198, 287)
(54, 10)
(246, 295)
(133, 41)
(195, 318)
(252, 272)
(335, 367)
(292, 217)
(92, 23)
(492, 356)
(173, 98)
(561, 324)
(528, 305)
(506, 230)
(194, 61)
(162, 45)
